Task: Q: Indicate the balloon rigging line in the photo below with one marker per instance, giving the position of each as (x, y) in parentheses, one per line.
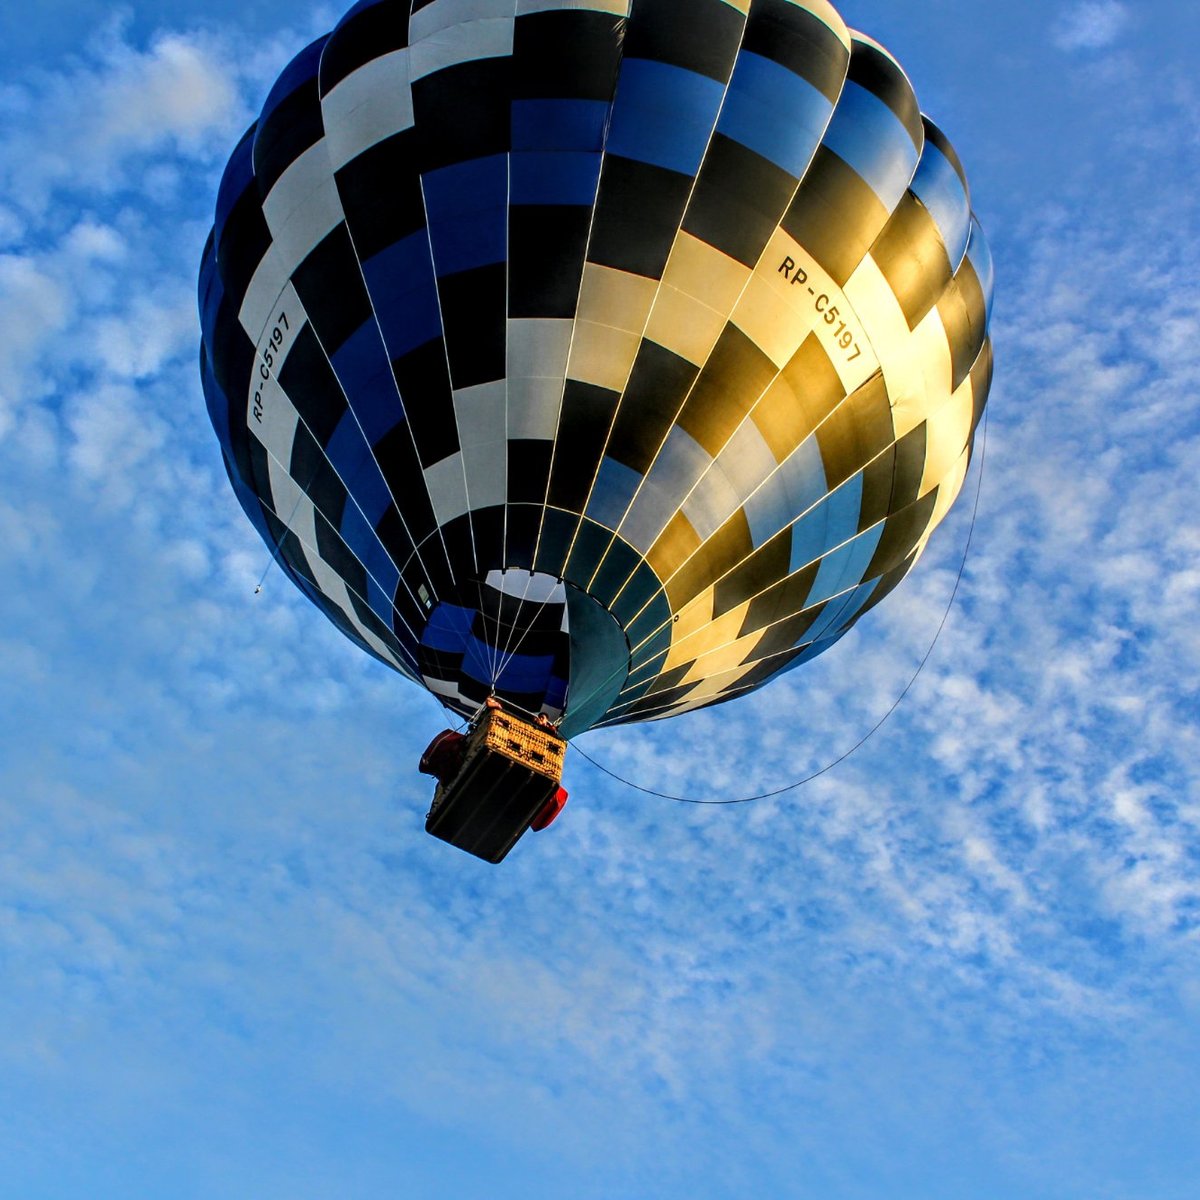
(287, 528)
(503, 656)
(791, 787)
(497, 661)
(528, 626)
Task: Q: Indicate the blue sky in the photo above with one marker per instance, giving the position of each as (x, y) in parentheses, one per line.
(964, 964)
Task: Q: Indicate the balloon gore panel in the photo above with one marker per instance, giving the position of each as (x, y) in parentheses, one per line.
(608, 356)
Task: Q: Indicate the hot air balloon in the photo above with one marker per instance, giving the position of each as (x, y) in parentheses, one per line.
(605, 358)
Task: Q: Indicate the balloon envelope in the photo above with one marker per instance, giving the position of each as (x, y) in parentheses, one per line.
(612, 356)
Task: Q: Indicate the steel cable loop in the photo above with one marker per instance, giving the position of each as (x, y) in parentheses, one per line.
(791, 787)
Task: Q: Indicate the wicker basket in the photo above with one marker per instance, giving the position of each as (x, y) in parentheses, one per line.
(540, 750)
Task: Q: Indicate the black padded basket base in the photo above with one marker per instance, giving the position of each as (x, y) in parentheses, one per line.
(488, 805)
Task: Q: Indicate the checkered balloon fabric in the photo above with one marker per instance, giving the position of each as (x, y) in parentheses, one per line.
(610, 356)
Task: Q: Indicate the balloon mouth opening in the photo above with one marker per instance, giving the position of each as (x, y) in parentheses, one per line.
(532, 640)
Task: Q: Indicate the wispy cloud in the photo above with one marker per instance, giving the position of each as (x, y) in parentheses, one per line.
(1091, 25)
(78, 129)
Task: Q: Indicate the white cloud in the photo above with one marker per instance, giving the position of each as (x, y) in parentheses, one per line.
(51, 299)
(156, 327)
(80, 129)
(34, 307)
(1091, 25)
(177, 89)
(90, 242)
(12, 228)
(112, 437)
